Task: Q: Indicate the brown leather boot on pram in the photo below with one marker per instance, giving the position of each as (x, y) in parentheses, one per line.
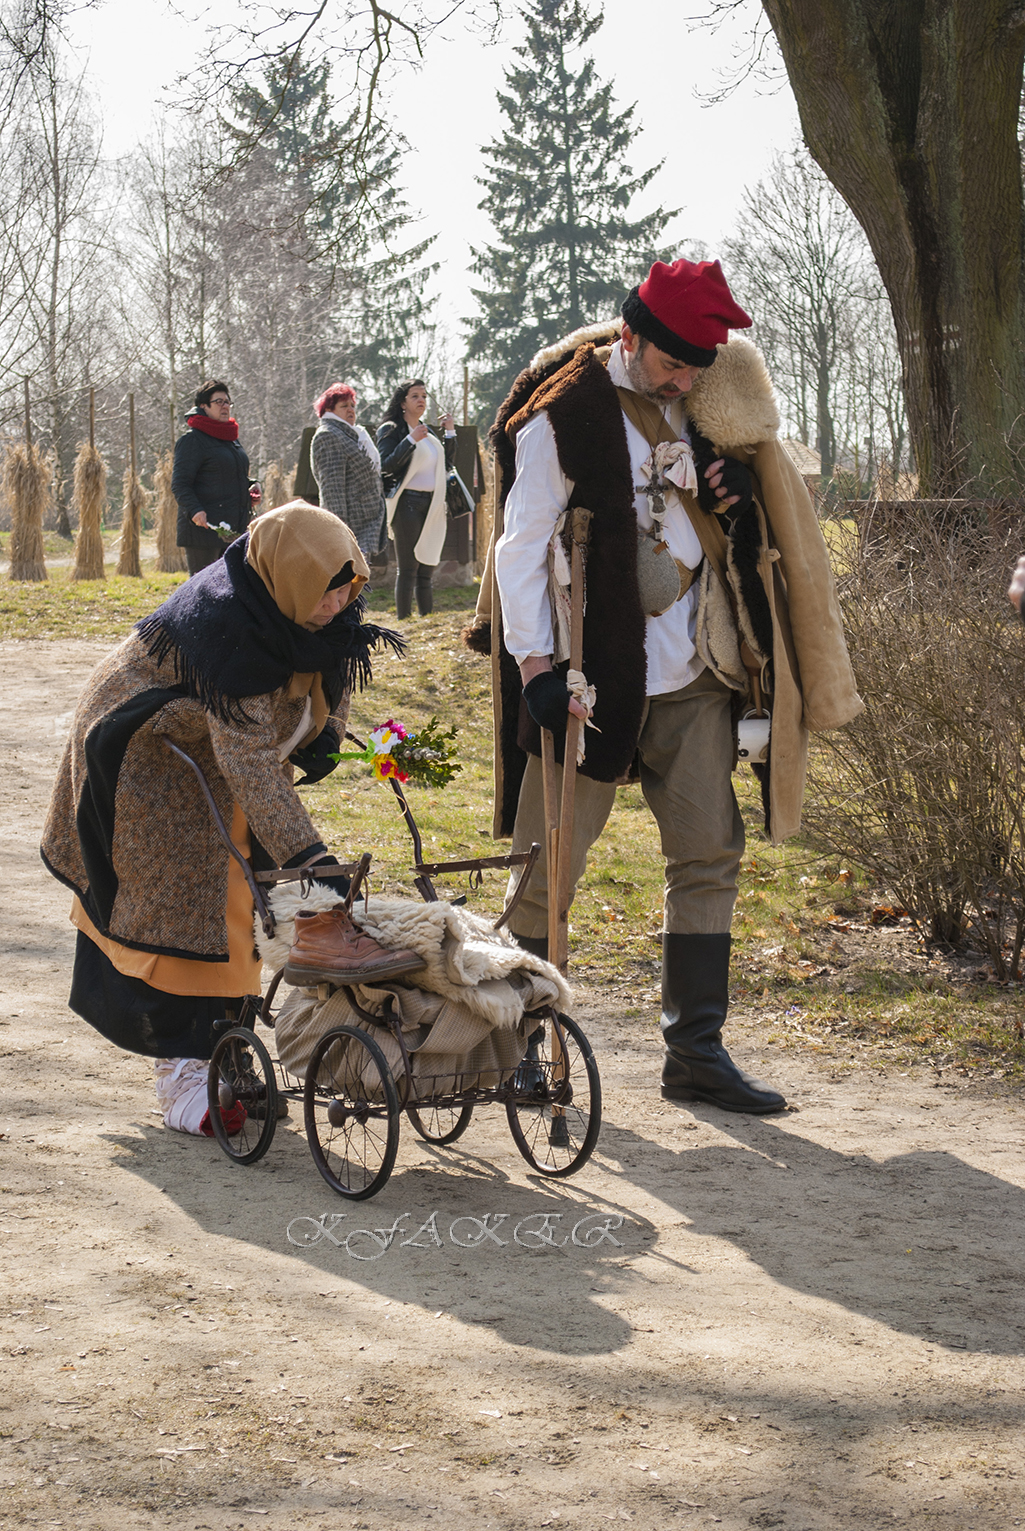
(329, 947)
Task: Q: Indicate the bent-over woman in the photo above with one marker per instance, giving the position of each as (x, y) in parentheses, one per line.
(246, 667)
(415, 464)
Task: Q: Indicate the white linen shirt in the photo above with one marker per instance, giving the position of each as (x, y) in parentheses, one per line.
(537, 499)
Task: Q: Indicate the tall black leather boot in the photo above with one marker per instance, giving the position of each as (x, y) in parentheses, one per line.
(695, 998)
(537, 946)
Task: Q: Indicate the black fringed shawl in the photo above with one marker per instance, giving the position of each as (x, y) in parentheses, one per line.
(228, 639)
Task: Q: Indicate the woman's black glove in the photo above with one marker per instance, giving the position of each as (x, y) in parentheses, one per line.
(734, 479)
(339, 885)
(547, 698)
(315, 759)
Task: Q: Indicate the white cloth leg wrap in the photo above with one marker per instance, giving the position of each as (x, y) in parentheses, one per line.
(181, 1093)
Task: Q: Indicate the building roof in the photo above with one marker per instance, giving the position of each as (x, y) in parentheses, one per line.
(809, 463)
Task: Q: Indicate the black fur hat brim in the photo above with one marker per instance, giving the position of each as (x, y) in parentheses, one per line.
(642, 321)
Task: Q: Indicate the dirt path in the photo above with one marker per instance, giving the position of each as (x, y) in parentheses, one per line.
(810, 1322)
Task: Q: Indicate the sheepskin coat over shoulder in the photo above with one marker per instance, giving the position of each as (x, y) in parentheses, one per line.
(778, 568)
(128, 829)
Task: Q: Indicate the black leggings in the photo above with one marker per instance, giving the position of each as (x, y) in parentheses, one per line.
(407, 524)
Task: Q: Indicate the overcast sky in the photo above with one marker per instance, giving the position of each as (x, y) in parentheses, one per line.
(656, 55)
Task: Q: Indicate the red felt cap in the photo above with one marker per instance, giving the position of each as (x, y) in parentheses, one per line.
(691, 299)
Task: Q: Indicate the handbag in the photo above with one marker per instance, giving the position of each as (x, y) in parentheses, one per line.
(458, 499)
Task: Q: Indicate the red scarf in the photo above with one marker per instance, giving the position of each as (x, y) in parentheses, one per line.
(224, 430)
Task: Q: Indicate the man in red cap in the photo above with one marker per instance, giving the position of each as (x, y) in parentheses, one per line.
(708, 587)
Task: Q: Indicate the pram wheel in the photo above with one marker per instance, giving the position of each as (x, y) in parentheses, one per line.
(440, 1124)
(242, 1095)
(351, 1109)
(555, 1117)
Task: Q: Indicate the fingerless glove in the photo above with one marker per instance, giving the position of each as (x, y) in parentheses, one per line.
(735, 479)
(547, 698)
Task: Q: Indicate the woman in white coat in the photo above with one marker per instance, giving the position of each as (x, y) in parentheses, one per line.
(414, 464)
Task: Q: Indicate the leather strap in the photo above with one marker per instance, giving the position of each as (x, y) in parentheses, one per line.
(654, 427)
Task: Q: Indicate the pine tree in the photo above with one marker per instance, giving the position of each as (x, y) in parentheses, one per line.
(559, 192)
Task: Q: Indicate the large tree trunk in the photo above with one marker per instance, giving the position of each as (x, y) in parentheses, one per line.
(911, 109)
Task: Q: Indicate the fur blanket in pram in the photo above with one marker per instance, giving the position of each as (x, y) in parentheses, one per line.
(464, 1014)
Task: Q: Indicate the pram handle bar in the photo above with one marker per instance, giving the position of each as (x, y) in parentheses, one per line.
(262, 908)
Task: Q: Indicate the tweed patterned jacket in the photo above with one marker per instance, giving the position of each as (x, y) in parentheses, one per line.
(350, 485)
(128, 828)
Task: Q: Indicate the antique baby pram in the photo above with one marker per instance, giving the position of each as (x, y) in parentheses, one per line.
(353, 1098)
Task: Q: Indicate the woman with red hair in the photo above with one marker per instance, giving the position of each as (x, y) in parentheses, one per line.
(347, 467)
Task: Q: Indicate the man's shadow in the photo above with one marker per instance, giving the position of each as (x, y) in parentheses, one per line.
(922, 1242)
(493, 1254)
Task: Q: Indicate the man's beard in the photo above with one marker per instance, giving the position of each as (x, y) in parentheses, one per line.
(656, 392)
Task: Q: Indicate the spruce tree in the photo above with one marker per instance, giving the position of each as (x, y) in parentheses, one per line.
(559, 192)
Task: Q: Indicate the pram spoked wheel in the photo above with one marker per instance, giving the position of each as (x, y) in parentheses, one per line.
(242, 1095)
(351, 1110)
(440, 1124)
(554, 1109)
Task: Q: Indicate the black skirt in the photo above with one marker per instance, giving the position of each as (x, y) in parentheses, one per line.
(138, 1018)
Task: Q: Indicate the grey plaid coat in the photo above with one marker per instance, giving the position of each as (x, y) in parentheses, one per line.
(350, 485)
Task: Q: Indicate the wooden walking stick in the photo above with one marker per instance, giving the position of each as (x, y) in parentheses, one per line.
(559, 822)
(580, 527)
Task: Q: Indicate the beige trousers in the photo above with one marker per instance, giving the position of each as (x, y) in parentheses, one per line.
(686, 762)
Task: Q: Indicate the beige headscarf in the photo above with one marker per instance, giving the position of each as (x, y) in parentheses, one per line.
(297, 550)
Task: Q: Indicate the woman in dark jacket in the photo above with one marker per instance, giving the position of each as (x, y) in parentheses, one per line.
(414, 466)
(211, 479)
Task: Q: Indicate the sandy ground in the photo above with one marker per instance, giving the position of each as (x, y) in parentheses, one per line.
(808, 1322)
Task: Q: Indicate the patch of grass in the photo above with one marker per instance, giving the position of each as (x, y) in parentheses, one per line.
(60, 547)
(62, 608)
(972, 1032)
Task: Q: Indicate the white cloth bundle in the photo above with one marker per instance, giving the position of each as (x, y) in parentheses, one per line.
(181, 1093)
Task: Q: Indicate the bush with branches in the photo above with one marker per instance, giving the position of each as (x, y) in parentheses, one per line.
(926, 789)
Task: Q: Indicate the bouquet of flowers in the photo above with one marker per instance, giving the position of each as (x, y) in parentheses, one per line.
(395, 753)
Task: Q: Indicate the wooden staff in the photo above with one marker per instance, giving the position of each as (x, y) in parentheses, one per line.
(92, 417)
(551, 797)
(28, 418)
(580, 523)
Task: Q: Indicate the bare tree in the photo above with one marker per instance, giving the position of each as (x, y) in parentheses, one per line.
(162, 311)
(803, 265)
(64, 139)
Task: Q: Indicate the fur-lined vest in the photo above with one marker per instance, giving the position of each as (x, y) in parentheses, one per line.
(781, 584)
